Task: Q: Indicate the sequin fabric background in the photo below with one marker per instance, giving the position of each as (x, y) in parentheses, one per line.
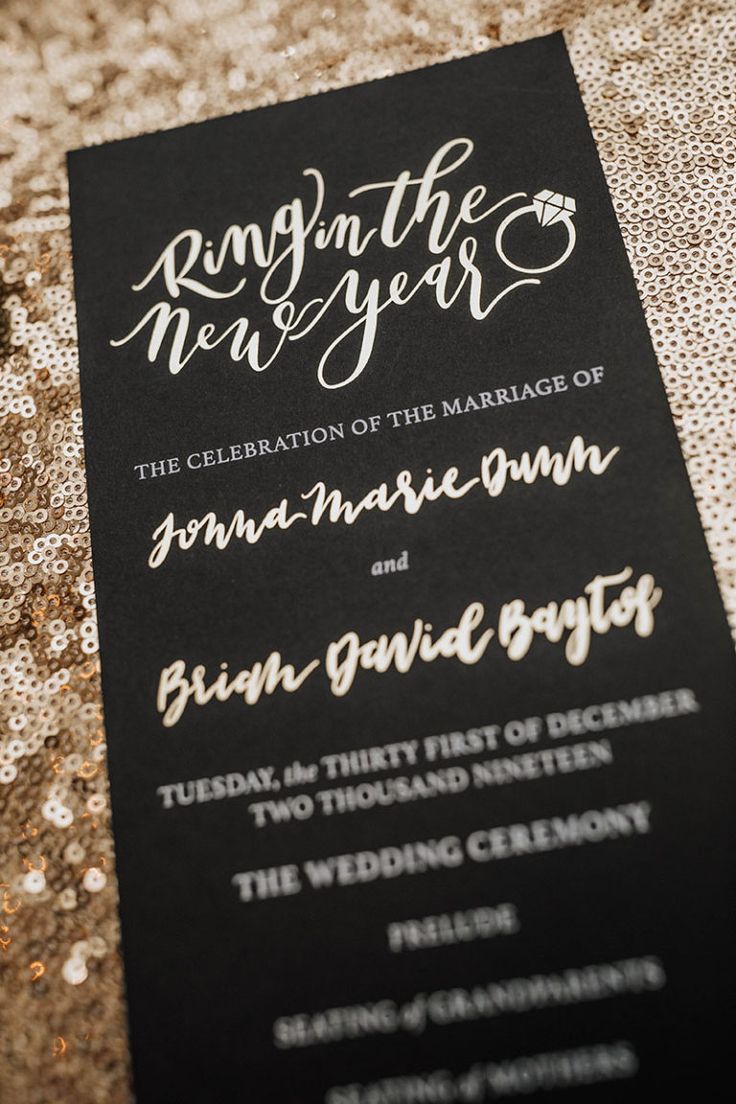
(657, 77)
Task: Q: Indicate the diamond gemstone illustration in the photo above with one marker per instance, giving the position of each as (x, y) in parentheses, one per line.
(551, 207)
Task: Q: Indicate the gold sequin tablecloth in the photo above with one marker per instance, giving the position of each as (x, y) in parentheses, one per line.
(657, 77)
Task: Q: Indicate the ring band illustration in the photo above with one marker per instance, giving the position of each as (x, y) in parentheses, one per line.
(549, 207)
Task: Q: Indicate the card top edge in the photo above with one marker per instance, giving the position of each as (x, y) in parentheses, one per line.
(480, 58)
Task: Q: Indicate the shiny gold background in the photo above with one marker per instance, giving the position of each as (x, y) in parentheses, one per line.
(657, 77)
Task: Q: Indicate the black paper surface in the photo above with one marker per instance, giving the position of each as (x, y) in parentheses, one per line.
(584, 802)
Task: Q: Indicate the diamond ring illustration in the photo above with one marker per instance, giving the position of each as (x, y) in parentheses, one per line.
(549, 208)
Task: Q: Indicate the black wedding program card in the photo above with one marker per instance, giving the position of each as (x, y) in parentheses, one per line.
(418, 688)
